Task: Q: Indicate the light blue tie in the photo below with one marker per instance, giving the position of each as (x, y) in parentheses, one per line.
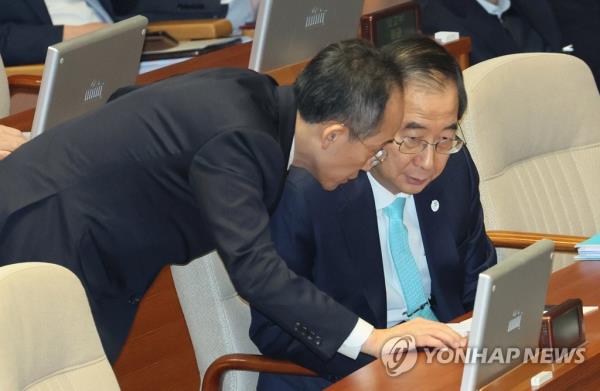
(417, 304)
(99, 10)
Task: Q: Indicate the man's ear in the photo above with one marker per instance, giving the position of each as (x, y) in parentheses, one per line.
(332, 133)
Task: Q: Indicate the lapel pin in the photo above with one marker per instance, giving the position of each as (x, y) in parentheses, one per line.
(435, 205)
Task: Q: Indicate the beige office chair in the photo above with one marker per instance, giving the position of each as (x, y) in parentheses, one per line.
(48, 340)
(218, 321)
(533, 128)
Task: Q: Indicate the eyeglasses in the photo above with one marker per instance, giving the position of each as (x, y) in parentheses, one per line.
(413, 145)
(379, 156)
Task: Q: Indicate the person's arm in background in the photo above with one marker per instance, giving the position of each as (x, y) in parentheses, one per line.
(481, 253)
(75, 31)
(10, 139)
(27, 43)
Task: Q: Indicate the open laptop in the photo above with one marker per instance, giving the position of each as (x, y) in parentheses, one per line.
(291, 31)
(508, 311)
(80, 74)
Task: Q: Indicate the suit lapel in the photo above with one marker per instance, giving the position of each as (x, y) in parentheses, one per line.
(358, 220)
(440, 250)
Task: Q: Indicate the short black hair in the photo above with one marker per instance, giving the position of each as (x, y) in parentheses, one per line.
(349, 82)
(424, 60)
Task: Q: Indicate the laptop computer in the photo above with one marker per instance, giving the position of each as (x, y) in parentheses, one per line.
(80, 74)
(508, 311)
(291, 31)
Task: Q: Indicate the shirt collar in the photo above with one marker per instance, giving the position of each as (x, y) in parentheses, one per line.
(292, 151)
(495, 9)
(383, 197)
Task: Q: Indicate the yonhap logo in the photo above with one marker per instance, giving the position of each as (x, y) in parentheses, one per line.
(399, 355)
(316, 17)
(94, 91)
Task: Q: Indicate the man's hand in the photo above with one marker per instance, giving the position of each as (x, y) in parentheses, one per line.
(10, 139)
(427, 333)
(75, 31)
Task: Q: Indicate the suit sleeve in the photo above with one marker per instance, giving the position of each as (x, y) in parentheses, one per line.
(231, 175)
(27, 43)
(293, 235)
(481, 253)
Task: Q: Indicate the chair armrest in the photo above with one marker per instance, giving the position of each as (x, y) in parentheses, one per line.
(24, 83)
(248, 362)
(33, 69)
(512, 239)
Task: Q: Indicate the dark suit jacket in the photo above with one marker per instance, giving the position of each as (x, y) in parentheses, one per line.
(26, 29)
(488, 37)
(162, 175)
(332, 239)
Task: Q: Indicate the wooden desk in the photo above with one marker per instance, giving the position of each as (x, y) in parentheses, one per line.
(578, 280)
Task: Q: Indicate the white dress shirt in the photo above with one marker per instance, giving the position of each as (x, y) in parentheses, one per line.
(495, 9)
(396, 305)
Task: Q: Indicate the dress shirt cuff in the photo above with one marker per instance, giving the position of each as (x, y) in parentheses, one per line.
(351, 346)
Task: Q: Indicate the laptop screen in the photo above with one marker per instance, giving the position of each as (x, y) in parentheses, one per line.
(80, 74)
(291, 31)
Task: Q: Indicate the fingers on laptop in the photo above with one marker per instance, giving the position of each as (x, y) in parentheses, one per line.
(10, 139)
(429, 333)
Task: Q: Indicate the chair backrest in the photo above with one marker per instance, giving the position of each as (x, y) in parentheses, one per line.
(48, 340)
(217, 317)
(4, 94)
(533, 128)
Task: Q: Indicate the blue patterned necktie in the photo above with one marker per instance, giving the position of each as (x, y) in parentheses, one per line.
(417, 304)
(99, 10)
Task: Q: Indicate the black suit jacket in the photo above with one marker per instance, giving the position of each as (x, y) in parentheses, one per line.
(162, 175)
(332, 239)
(26, 29)
(488, 37)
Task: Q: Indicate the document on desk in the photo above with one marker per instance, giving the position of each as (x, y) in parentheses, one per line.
(192, 48)
(463, 328)
(589, 250)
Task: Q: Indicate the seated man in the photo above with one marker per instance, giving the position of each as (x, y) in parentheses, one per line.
(402, 244)
(496, 27)
(10, 139)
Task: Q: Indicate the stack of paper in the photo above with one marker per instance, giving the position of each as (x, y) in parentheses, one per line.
(589, 250)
